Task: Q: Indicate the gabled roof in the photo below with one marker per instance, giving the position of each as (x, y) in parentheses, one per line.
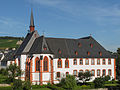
(33, 44)
(27, 43)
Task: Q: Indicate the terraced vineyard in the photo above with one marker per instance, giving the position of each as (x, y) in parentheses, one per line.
(9, 42)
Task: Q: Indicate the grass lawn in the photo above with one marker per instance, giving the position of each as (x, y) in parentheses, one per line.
(5, 88)
(111, 84)
(42, 89)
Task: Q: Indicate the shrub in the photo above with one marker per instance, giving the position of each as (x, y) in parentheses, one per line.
(53, 87)
(106, 78)
(27, 85)
(69, 82)
(17, 85)
(99, 82)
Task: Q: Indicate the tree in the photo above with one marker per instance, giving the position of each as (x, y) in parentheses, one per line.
(69, 82)
(84, 76)
(118, 64)
(13, 71)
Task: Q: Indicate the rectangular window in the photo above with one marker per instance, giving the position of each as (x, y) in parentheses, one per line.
(104, 72)
(81, 62)
(67, 73)
(75, 62)
(109, 61)
(93, 72)
(75, 72)
(98, 62)
(58, 74)
(92, 62)
(103, 62)
(98, 72)
(87, 62)
(109, 72)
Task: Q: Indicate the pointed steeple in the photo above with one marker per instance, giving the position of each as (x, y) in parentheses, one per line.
(32, 27)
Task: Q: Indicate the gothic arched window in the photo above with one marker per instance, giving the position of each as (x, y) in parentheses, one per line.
(45, 64)
(37, 64)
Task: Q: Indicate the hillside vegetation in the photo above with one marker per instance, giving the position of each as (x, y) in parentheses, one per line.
(9, 42)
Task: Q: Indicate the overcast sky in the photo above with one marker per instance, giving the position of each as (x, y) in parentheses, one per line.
(64, 19)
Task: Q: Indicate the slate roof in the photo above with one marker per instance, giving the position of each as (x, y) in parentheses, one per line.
(24, 44)
(68, 47)
(9, 56)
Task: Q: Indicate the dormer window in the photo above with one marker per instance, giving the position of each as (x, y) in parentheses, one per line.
(100, 53)
(91, 45)
(88, 53)
(76, 53)
(45, 48)
(59, 51)
(79, 44)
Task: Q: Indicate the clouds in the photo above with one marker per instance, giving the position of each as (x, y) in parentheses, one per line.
(9, 26)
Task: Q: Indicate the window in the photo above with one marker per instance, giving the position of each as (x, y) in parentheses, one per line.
(67, 73)
(66, 63)
(45, 64)
(109, 61)
(81, 61)
(104, 72)
(59, 63)
(75, 62)
(98, 72)
(103, 62)
(86, 70)
(93, 72)
(81, 71)
(98, 61)
(88, 53)
(58, 74)
(86, 62)
(59, 51)
(109, 72)
(75, 72)
(37, 64)
(79, 44)
(76, 53)
(91, 45)
(92, 62)
(100, 53)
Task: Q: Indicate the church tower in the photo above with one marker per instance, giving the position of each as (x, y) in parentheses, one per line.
(32, 27)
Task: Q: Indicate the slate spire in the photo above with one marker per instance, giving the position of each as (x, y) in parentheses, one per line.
(32, 27)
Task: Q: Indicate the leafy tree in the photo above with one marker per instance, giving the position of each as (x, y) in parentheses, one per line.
(13, 71)
(118, 64)
(69, 82)
(84, 76)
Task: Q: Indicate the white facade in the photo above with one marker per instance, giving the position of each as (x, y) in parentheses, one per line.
(46, 76)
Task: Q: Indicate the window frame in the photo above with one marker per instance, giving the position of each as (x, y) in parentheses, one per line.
(108, 61)
(66, 61)
(76, 73)
(94, 72)
(37, 65)
(57, 75)
(103, 61)
(74, 61)
(59, 66)
(97, 61)
(47, 66)
(86, 60)
(80, 61)
(99, 71)
(93, 61)
(105, 72)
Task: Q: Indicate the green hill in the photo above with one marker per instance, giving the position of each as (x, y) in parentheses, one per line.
(9, 42)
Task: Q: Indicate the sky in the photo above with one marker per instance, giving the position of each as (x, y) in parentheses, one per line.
(64, 19)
